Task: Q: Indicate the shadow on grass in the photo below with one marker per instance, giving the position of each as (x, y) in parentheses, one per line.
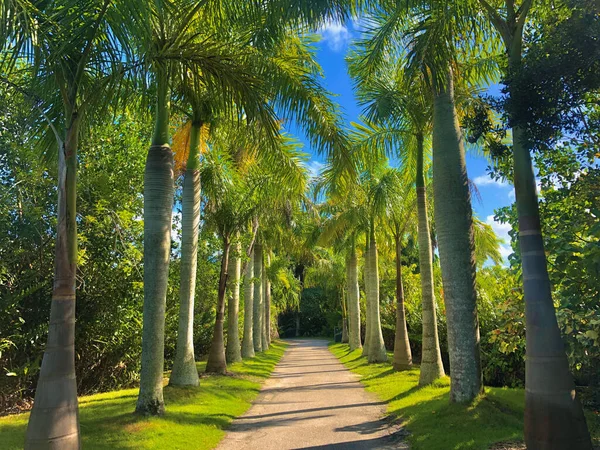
(432, 421)
(193, 414)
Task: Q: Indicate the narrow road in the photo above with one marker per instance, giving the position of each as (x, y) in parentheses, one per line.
(313, 402)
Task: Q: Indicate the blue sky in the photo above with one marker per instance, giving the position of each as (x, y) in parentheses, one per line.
(331, 51)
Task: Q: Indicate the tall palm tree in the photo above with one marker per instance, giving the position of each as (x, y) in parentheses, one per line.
(239, 184)
(258, 312)
(248, 337)
(233, 350)
(353, 296)
(553, 413)
(400, 219)
(430, 36)
(184, 370)
(75, 64)
(345, 220)
(267, 301)
(399, 110)
(248, 72)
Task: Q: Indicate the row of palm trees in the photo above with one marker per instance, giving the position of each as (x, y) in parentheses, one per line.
(252, 62)
(415, 69)
(214, 60)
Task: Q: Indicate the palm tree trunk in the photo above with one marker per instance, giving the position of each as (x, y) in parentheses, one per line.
(402, 353)
(247, 340)
(158, 206)
(377, 351)
(454, 223)
(216, 356)
(353, 299)
(345, 337)
(554, 417)
(265, 322)
(54, 419)
(258, 313)
(432, 367)
(233, 351)
(368, 314)
(184, 371)
(267, 305)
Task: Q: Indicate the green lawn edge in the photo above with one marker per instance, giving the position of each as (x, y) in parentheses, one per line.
(426, 413)
(196, 417)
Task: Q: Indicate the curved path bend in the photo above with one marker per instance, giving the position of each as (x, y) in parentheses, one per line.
(312, 401)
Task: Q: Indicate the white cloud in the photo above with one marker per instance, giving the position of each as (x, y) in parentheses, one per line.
(501, 230)
(314, 168)
(486, 180)
(336, 35)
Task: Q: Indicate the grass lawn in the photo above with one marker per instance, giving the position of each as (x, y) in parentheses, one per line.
(434, 423)
(196, 418)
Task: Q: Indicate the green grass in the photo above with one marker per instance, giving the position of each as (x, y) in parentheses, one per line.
(195, 418)
(434, 423)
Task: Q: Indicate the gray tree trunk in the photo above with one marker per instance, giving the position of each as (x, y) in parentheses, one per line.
(454, 224)
(248, 338)
(216, 356)
(54, 419)
(353, 300)
(368, 314)
(184, 371)
(158, 207)
(267, 301)
(402, 352)
(233, 351)
(432, 367)
(377, 351)
(258, 312)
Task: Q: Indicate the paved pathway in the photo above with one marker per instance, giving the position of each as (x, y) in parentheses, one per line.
(313, 402)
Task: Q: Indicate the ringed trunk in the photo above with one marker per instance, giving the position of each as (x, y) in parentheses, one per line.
(368, 314)
(54, 419)
(377, 351)
(268, 304)
(454, 223)
(216, 357)
(554, 417)
(158, 206)
(432, 367)
(247, 340)
(353, 300)
(184, 371)
(258, 313)
(402, 353)
(233, 351)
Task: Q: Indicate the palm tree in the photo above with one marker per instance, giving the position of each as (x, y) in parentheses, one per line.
(400, 218)
(553, 413)
(72, 74)
(248, 338)
(431, 38)
(184, 371)
(246, 72)
(353, 297)
(344, 221)
(233, 351)
(399, 111)
(258, 312)
(267, 301)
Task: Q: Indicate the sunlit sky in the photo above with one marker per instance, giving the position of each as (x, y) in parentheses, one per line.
(332, 48)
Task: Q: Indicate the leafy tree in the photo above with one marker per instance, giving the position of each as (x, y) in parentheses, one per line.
(553, 415)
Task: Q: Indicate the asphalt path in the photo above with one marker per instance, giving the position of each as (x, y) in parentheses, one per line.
(312, 401)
